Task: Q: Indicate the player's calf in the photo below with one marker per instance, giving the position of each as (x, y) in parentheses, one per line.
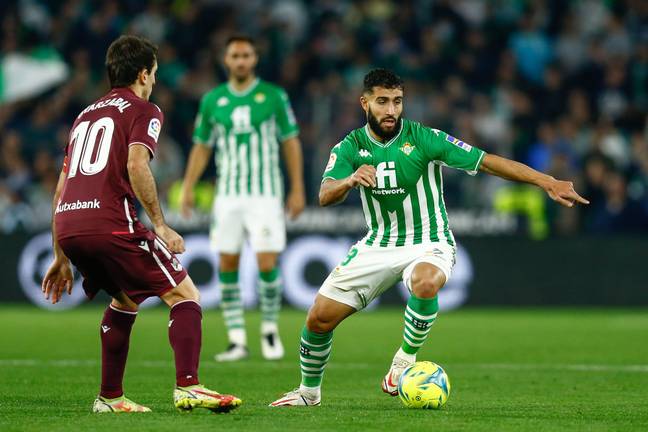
(420, 313)
(270, 296)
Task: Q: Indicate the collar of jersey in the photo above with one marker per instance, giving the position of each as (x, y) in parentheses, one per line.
(245, 92)
(378, 143)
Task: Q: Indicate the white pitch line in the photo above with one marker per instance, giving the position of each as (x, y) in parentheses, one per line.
(569, 367)
(637, 368)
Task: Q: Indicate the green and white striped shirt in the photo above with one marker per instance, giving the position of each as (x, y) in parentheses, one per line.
(406, 207)
(246, 128)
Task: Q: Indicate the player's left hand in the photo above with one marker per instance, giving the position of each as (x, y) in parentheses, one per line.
(172, 239)
(59, 277)
(563, 193)
(295, 203)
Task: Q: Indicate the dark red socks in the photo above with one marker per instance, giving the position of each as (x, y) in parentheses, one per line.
(185, 336)
(115, 335)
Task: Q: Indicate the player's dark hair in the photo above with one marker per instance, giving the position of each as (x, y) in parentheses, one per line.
(382, 78)
(126, 57)
(240, 38)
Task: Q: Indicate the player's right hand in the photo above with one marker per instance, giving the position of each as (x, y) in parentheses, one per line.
(59, 278)
(186, 201)
(365, 176)
(173, 240)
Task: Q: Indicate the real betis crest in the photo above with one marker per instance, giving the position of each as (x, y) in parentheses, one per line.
(407, 148)
(259, 97)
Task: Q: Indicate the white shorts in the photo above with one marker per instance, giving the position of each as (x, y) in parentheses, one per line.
(366, 271)
(260, 219)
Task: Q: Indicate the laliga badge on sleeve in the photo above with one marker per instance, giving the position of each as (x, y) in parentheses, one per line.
(331, 162)
(154, 128)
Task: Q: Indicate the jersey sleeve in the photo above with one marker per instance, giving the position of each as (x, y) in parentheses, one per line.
(340, 163)
(204, 132)
(146, 128)
(451, 151)
(286, 121)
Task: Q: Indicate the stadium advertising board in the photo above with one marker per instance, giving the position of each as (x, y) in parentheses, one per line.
(490, 270)
(304, 265)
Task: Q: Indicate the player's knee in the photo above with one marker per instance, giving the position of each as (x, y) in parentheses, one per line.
(229, 263)
(266, 266)
(426, 280)
(318, 323)
(267, 262)
(190, 292)
(186, 290)
(425, 288)
(195, 295)
(124, 303)
(427, 284)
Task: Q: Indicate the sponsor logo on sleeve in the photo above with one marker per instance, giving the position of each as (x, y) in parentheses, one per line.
(456, 141)
(154, 128)
(331, 162)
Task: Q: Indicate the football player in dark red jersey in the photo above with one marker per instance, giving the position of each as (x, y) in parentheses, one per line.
(95, 227)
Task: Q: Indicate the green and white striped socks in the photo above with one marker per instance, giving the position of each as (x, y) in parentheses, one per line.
(232, 307)
(314, 353)
(420, 314)
(270, 298)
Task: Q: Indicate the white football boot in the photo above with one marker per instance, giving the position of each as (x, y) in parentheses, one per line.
(297, 398)
(401, 361)
(233, 353)
(271, 346)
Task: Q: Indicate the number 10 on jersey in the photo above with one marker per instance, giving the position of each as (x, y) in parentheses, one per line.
(83, 140)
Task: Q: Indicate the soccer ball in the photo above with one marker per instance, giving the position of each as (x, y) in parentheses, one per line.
(424, 385)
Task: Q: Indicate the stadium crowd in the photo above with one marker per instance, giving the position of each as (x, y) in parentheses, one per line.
(559, 85)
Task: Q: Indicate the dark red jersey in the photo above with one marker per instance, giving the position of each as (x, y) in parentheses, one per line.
(97, 197)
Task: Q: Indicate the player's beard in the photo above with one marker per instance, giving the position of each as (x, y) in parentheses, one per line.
(377, 128)
(241, 75)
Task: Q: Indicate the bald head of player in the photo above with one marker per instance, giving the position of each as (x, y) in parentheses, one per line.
(131, 61)
(382, 101)
(240, 58)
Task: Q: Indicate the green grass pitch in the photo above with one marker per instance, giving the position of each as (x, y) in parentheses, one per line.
(510, 369)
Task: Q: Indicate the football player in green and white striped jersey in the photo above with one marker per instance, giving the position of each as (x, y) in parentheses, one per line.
(397, 164)
(248, 122)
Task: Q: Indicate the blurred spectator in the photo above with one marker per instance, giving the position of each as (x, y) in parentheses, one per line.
(570, 47)
(618, 212)
(532, 49)
(563, 86)
(549, 149)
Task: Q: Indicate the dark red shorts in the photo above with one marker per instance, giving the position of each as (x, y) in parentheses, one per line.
(138, 264)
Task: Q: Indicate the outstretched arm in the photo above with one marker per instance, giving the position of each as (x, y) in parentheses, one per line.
(560, 191)
(143, 184)
(59, 276)
(335, 191)
(296, 200)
